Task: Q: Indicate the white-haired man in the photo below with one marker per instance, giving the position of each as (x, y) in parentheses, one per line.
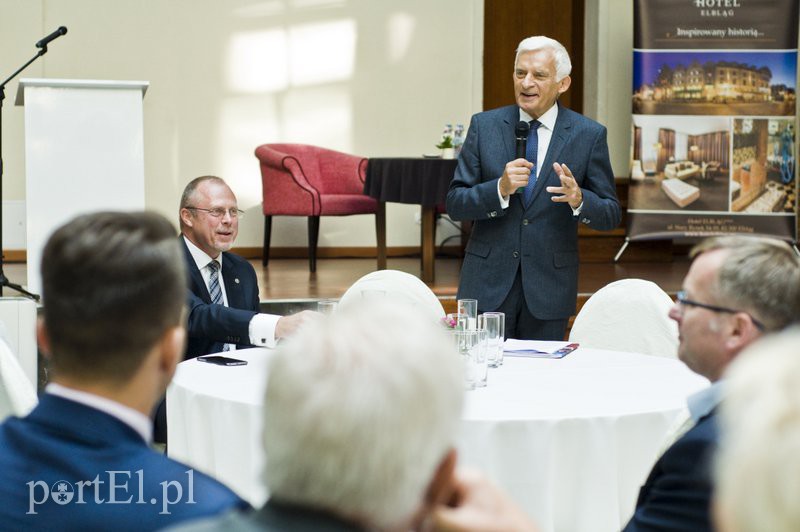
(758, 464)
(360, 416)
(522, 256)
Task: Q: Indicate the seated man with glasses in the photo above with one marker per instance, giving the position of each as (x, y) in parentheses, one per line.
(223, 299)
(738, 288)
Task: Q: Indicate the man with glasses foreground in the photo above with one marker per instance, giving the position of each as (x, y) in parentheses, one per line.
(223, 299)
(737, 289)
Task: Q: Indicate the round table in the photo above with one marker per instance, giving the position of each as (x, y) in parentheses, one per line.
(570, 439)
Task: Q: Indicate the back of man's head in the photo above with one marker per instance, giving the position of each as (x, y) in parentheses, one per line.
(112, 284)
(759, 275)
(361, 408)
(758, 463)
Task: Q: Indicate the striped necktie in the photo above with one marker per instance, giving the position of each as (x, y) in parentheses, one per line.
(531, 152)
(215, 291)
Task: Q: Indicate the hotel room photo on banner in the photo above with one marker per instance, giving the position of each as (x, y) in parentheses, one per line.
(714, 102)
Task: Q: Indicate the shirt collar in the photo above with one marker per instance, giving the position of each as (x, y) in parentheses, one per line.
(703, 402)
(548, 118)
(139, 422)
(200, 257)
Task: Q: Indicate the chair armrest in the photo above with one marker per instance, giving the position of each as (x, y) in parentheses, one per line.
(285, 188)
(342, 172)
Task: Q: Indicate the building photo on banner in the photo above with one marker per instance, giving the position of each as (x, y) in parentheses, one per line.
(713, 137)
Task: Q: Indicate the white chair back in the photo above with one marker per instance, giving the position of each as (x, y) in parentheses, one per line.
(396, 285)
(628, 315)
(17, 395)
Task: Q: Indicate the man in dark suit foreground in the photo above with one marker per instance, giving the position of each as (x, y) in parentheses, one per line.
(738, 288)
(113, 331)
(522, 256)
(360, 416)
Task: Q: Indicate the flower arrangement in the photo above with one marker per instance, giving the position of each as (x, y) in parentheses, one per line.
(451, 322)
(447, 138)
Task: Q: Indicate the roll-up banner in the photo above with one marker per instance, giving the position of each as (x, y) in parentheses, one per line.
(714, 119)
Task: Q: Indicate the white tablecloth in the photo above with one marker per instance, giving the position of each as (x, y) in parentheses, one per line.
(571, 440)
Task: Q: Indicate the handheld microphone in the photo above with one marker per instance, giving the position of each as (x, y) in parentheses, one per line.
(62, 30)
(521, 132)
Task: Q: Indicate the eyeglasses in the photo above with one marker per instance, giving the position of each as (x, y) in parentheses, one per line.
(683, 300)
(219, 212)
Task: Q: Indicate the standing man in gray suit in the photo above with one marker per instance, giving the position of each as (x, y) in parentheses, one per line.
(522, 257)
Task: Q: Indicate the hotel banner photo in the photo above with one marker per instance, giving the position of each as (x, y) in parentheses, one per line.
(714, 119)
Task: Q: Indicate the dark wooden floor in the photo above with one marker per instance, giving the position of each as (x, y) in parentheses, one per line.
(289, 279)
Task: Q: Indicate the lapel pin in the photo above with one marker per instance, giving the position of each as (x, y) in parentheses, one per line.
(236, 281)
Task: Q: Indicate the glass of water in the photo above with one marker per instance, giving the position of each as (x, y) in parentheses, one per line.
(326, 306)
(473, 353)
(494, 325)
(468, 309)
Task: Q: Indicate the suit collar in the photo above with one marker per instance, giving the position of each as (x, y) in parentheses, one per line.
(80, 422)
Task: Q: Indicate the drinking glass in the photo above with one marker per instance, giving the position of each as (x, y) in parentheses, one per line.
(473, 353)
(494, 324)
(469, 309)
(326, 306)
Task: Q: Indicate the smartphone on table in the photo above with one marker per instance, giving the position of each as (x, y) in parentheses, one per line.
(221, 360)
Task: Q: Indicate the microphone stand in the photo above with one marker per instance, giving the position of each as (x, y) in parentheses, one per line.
(4, 282)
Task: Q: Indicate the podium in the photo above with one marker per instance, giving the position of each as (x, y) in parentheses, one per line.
(84, 152)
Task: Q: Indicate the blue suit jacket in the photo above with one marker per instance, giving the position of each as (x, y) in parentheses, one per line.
(62, 440)
(677, 493)
(541, 239)
(210, 326)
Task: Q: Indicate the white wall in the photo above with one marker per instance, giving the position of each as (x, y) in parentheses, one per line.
(608, 74)
(372, 78)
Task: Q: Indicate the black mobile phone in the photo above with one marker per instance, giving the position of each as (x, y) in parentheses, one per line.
(222, 361)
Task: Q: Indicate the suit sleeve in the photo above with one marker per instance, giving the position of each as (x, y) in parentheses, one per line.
(472, 195)
(217, 322)
(601, 208)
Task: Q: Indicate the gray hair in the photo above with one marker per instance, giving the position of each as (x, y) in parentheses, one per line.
(540, 42)
(757, 467)
(759, 275)
(360, 409)
(188, 192)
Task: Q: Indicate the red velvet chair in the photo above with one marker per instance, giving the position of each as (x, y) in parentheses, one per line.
(302, 180)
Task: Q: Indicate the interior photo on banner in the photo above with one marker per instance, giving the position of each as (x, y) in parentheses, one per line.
(714, 104)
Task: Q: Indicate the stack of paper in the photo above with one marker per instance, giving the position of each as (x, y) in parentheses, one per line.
(537, 348)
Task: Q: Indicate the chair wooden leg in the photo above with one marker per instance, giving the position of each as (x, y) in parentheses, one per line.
(267, 235)
(380, 234)
(313, 237)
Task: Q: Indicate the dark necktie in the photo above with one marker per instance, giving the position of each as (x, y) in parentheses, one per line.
(531, 151)
(215, 291)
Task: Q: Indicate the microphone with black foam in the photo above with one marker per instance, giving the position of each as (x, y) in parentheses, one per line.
(521, 132)
(62, 30)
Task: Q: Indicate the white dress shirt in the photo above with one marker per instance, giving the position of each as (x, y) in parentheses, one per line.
(262, 327)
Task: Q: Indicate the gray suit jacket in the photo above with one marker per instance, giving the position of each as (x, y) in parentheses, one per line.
(541, 239)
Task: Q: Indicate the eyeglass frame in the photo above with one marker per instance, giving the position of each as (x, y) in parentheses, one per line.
(219, 212)
(681, 299)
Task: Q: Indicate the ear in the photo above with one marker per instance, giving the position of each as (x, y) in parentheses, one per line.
(742, 332)
(172, 345)
(186, 217)
(440, 489)
(42, 338)
(564, 84)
